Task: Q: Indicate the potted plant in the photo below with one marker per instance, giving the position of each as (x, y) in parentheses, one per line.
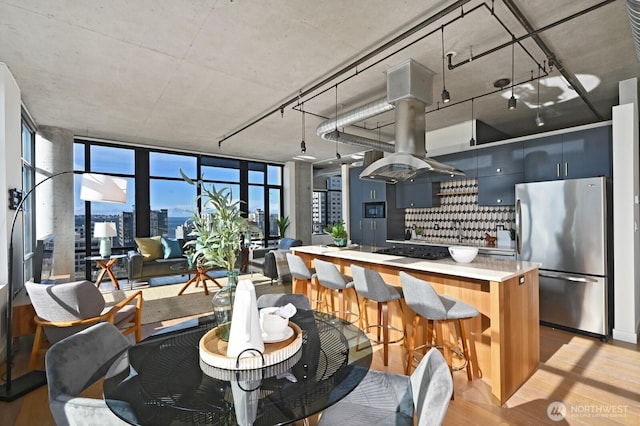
(283, 224)
(338, 232)
(218, 232)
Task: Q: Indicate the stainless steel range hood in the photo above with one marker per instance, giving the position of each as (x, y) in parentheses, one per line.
(409, 90)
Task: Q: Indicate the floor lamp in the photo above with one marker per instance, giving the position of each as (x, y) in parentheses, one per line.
(94, 187)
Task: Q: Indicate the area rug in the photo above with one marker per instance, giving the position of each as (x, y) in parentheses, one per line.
(162, 303)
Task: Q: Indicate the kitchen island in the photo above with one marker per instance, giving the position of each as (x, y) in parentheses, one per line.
(504, 339)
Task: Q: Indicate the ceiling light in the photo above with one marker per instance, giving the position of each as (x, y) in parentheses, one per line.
(472, 141)
(512, 99)
(539, 119)
(303, 146)
(501, 83)
(445, 93)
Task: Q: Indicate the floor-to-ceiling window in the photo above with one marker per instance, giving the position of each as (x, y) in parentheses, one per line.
(110, 160)
(28, 180)
(160, 201)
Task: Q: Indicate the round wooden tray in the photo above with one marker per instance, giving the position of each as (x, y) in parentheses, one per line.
(213, 351)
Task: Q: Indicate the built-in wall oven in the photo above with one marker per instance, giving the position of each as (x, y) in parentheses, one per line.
(374, 210)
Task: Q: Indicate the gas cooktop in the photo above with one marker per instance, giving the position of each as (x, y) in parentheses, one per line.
(420, 252)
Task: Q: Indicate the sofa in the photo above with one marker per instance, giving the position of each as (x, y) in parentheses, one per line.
(155, 257)
(264, 259)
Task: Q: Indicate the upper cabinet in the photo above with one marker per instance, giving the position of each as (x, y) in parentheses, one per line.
(501, 159)
(584, 153)
(464, 160)
(417, 193)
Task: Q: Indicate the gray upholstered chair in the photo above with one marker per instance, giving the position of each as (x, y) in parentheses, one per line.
(371, 286)
(421, 297)
(75, 363)
(64, 309)
(300, 301)
(393, 399)
(331, 280)
(300, 272)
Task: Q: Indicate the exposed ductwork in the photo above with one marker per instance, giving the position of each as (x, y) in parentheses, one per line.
(633, 7)
(409, 90)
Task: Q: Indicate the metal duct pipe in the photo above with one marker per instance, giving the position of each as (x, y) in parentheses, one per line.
(327, 130)
(633, 7)
(341, 137)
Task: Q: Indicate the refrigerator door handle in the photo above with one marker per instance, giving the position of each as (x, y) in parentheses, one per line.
(518, 227)
(568, 277)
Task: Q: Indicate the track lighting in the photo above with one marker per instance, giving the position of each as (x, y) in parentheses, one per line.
(303, 147)
(445, 93)
(512, 99)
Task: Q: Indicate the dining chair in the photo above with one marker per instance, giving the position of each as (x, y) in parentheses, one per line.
(421, 297)
(300, 301)
(75, 363)
(371, 286)
(331, 280)
(393, 399)
(64, 309)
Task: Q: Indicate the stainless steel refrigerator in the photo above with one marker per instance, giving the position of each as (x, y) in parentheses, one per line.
(563, 225)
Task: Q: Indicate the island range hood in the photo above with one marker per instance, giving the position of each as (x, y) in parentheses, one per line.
(409, 91)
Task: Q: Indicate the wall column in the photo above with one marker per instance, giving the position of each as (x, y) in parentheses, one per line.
(54, 202)
(298, 198)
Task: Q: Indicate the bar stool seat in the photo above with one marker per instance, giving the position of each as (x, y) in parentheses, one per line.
(371, 286)
(421, 297)
(300, 272)
(332, 281)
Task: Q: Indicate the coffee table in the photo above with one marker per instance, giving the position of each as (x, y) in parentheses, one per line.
(200, 276)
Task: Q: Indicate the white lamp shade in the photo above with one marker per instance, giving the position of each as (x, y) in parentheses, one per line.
(103, 188)
(104, 229)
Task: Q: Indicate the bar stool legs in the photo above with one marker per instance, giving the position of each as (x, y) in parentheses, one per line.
(383, 327)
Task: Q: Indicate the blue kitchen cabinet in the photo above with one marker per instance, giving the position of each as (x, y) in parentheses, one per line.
(499, 189)
(501, 159)
(573, 155)
(465, 160)
(587, 153)
(417, 193)
(363, 231)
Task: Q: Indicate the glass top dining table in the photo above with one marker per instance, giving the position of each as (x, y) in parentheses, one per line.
(164, 381)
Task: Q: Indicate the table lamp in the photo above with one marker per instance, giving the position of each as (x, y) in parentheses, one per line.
(104, 231)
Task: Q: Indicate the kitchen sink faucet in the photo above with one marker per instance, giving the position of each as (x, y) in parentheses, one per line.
(458, 225)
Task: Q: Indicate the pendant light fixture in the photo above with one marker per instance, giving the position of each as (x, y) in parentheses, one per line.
(512, 99)
(445, 93)
(338, 156)
(539, 118)
(472, 141)
(303, 146)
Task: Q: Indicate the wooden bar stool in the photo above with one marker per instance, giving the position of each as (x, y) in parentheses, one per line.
(370, 286)
(332, 281)
(420, 296)
(300, 272)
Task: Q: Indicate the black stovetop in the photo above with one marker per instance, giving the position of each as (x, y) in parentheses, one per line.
(420, 252)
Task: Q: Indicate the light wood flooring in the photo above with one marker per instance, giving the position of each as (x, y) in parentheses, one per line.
(597, 383)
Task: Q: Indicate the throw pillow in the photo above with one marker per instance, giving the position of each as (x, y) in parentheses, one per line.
(171, 248)
(282, 266)
(150, 248)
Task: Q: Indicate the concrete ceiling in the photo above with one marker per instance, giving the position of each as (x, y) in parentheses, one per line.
(185, 74)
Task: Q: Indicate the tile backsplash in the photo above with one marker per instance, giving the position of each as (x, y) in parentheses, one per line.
(459, 208)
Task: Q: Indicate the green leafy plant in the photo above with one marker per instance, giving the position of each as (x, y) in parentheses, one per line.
(283, 224)
(337, 230)
(218, 230)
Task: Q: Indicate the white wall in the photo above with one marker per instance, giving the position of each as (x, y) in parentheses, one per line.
(10, 177)
(625, 222)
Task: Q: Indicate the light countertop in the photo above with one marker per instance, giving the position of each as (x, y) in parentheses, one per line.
(482, 268)
(483, 247)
